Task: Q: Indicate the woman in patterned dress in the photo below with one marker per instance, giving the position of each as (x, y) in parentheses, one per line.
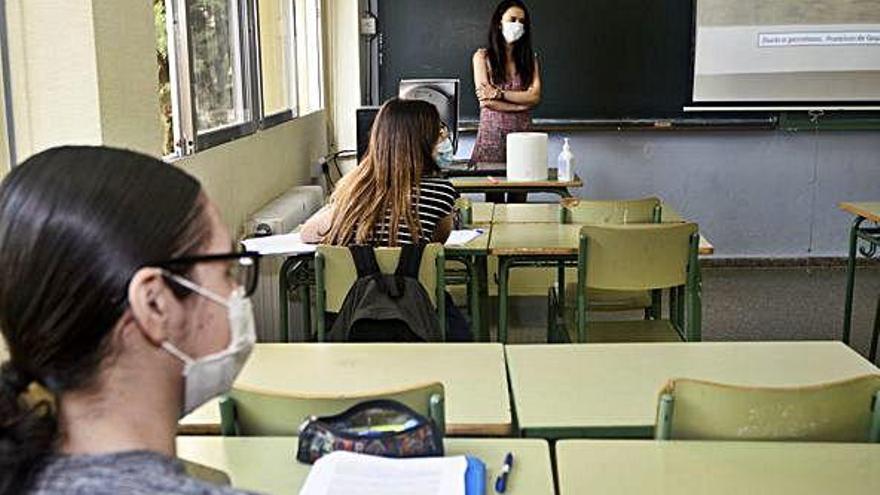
(508, 85)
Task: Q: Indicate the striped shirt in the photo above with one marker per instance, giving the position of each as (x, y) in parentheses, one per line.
(436, 199)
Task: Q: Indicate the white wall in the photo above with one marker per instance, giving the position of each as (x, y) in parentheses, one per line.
(343, 65)
(754, 193)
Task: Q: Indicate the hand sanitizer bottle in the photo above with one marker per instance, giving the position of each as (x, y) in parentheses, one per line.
(565, 163)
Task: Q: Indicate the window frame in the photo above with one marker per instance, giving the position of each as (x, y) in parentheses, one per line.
(187, 138)
(271, 120)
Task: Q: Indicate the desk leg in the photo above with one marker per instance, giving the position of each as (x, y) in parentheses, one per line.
(503, 273)
(875, 336)
(850, 277)
(283, 303)
(560, 282)
(482, 266)
(474, 298)
(306, 300)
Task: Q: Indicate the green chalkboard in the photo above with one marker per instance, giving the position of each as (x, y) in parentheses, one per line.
(614, 59)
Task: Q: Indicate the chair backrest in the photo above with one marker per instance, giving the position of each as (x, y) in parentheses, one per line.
(465, 208)
(622, 211)
(255, 412)
(340, 273)
(845, 411)
(637, 256)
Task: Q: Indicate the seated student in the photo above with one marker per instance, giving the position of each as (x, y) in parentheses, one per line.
(395, 196)
(121, 308)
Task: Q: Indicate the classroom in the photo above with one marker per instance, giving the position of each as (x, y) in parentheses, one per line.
(439, 247)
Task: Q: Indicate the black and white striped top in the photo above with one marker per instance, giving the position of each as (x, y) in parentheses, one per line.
(436, 199)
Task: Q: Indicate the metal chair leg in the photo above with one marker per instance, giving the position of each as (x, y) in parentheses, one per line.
(876, 335)
(850, 278)
(503, 279)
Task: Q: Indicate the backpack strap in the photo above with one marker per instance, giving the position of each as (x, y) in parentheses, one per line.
(367, 267)
(410, 260)
(364, 260)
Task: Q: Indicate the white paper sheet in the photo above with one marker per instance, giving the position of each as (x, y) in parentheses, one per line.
(279, 244)
(346, 473)
(461, 237)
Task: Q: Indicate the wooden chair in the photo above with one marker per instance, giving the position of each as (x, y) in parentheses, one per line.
(248, 411)
(845, 411)
(637, 257)
(335, 274)
(623, 211)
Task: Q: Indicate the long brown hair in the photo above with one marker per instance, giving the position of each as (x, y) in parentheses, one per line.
(382, 192)
(523, 56)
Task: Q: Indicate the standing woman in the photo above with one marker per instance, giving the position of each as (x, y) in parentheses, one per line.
(508, 84)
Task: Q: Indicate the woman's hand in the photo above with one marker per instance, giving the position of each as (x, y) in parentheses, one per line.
(486, 91)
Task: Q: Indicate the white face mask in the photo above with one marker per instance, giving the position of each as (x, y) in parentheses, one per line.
(512, 31)
(444, 153)
(213, 375)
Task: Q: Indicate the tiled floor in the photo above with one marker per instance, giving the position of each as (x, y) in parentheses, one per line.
(795, 303)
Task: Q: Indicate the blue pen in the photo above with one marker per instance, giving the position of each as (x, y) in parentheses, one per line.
(479, 231)
(501, 481)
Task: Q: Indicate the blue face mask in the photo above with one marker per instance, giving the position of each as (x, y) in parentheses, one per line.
(444, 153)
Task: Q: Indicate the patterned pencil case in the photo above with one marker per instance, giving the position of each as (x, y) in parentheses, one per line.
(379, 427)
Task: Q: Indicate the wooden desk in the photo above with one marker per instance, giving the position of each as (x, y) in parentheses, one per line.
(870, 236)
(869, 210)
(474, 257)
(529, 244)
(268, 464)
(534, 239)
(482, 213)
(610, 390)
(474, 376)
(526, 213)
(482, 185)
(720, 468)
(549, 213)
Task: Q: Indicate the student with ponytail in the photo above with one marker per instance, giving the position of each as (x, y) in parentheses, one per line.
(122, 308)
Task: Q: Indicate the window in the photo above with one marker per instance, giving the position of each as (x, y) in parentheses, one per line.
(311, 55)
(278, 60)
(219, 69)
(227, 67)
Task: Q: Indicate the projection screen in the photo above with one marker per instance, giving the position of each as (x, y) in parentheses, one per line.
(787, 51)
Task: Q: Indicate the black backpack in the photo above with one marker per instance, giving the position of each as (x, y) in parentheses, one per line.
(386, 308)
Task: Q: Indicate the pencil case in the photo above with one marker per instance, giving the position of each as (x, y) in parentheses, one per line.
(379, 427)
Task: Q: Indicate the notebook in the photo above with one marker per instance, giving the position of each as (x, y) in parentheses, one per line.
(348, 473)
(279, 244)
(461, 237)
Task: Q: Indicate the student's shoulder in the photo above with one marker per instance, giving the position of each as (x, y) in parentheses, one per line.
(133, 473)
(480, 54)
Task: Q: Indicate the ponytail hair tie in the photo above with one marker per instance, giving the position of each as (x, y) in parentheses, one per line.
(15, 379)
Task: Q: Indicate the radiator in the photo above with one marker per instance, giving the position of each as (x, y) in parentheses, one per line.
(280, 216)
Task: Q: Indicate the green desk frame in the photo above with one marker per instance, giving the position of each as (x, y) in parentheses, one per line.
(871, 236)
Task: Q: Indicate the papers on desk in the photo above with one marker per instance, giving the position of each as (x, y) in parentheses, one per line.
(461, 237)
(279, 244)
(356, 474)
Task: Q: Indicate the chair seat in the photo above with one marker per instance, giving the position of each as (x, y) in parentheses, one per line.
(610, 300)
(609, 332)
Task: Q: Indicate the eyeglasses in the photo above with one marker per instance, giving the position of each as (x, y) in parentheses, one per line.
(244, 267)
